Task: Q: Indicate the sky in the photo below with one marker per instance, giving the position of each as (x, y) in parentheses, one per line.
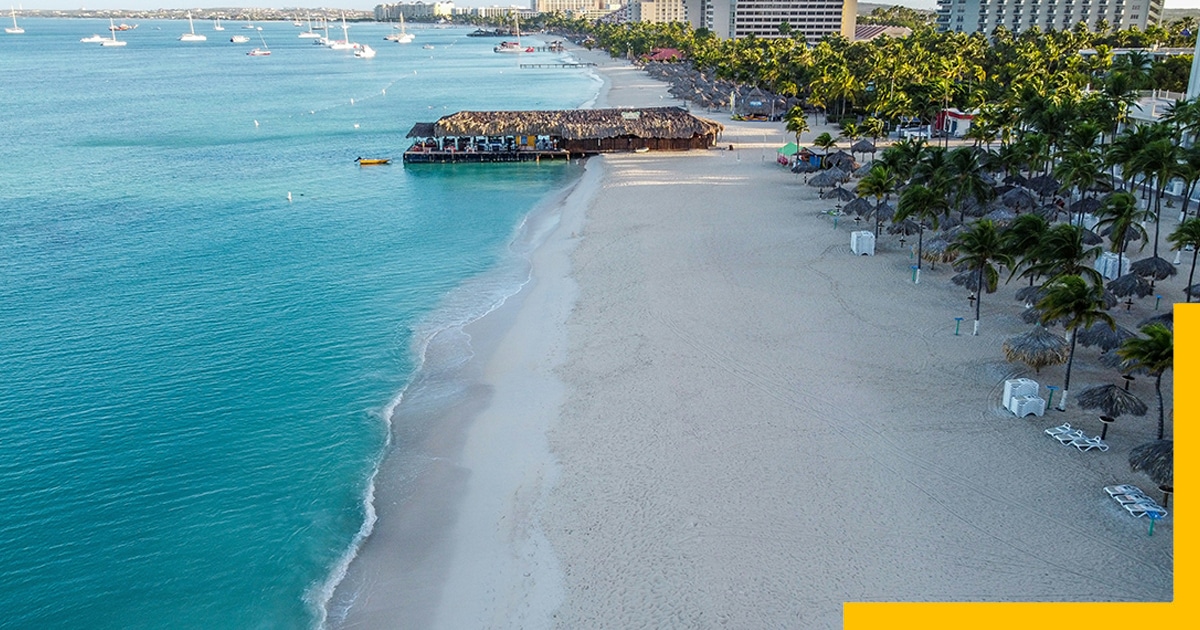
(364, 5)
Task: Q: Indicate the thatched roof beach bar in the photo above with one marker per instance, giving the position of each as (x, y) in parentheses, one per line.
(519, 136)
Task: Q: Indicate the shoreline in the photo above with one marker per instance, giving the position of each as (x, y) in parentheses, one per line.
(702, 410)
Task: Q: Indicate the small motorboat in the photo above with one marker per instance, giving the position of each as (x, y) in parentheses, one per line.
(364, 51)
(239, 39)
(259, 52)
(373, 161)
(94, 39)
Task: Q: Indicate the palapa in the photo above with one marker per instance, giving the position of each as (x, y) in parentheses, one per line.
(905, 226)
(1157, 460)
(864, 169)
(1112, 400)
(1031, 294)
(1089, 237)
(1044, 185)
(572, 124)
(1166, 319)
(825, 179)
(1154, 267)
(1087, 205)
(863, 146)
(1037, 348)
(1033, 315)
(839, 193)
(968, 279)
(1110, 358)
(1129, 285)
(1019, 199)
(1016, 179)
(1000, 215)
(1102, 335)
(861, 207)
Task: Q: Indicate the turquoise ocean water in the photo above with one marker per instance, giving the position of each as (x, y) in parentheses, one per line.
(195, 372)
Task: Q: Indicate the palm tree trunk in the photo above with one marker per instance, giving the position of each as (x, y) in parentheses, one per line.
(1062, 403)
(1158, 390)
(978, 300)
(920, 243)
(1162, 188)
(1192, 273)
(1187, 198)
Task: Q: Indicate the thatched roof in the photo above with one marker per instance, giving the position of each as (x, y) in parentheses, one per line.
(572, 124)
(1037, 348)
(1157, 460)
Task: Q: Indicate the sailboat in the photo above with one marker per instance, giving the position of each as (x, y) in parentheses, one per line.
(344, 43)
(15, 30)
(192, 36)
(114, 42)
(260, 52)
(310, 33)
(403, 37)
(513, 47)
(217, 25)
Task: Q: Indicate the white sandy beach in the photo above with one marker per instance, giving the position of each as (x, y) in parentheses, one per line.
(703, 411)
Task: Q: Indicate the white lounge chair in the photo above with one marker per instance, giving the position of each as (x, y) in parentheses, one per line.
(1062, 428)
(1142, 508)
(1123, 489)
(1070, 436)
(1087, 444)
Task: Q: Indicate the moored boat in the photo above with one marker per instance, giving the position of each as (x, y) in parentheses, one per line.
(373, 161)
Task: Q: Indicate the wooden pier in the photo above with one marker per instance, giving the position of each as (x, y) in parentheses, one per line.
(417, 155)
(557, 65)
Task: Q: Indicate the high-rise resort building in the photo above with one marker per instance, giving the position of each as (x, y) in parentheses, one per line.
(972, 16)
(813, 19)
(576, 8)
(413, 10)
(658, 11)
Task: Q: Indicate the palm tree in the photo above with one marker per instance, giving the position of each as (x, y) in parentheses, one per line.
(1023, 239)
(926, 206)
(826, 142)
(1160, 160)
(1061, 252)
(879, 183)
(1153, 353)
(797, 122)
(1188, 233)
(979, 248)
(873, 127)
(1121, 214)
(967, 179)
(1079, 305)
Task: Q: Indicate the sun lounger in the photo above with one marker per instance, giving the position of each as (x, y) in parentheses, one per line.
(1132, 498)
(1070, 436)
(1087, 444)
(1123, 489)
(1143, 508)
(1062, 428)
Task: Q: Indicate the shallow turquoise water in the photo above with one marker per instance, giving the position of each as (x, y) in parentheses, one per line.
(195, 370)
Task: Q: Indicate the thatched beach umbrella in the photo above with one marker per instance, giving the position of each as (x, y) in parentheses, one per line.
(826, 179)
(1000, 215)
(841, 160)
(864, 169)
(1033, 315)
(1016, 179)
(1087, 205)
(905, 226)
(1019, 199)
(839, 193)
(968, 279)
(1157, 460)
(938, 250)
(1166, 319)
(1037, 348)
(861, 207)
(1130, 284)
(863, 146)
(1044, 185)
(1104, 337)
(1153, 267)
(1112, 400)
(1031, 294)
(1090, 238)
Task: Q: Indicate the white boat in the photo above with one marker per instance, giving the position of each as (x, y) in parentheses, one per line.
(428, 47)
(364, 52)
(192, 36)
(217, 25)
(310, 33)
(403, 37)
(94, 39)
(239, 39)
(344, 43)
(260, 52)
(114, 42)
(513, 47)
(15, 30)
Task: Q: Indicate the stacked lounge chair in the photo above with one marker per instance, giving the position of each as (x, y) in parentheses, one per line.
(1135, 501)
